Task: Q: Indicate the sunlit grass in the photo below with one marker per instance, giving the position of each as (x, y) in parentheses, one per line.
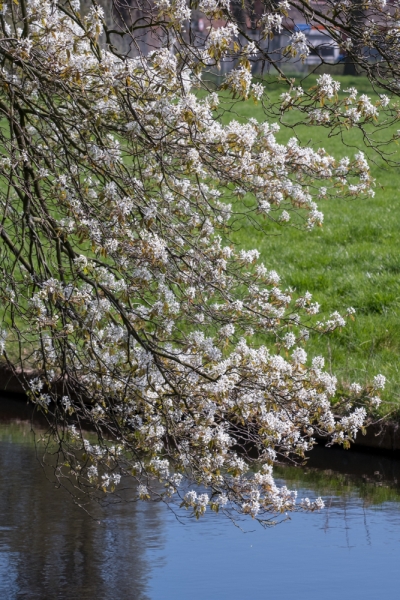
(353, 260)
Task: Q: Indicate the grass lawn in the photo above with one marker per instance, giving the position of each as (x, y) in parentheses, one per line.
(353, 260)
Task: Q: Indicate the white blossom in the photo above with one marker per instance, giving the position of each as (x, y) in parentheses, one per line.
(135, 304)
(379, 382)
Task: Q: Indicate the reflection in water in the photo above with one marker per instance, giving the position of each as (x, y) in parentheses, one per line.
(50, 548)
(374, 478)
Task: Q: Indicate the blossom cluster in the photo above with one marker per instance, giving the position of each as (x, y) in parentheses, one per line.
(133, 305)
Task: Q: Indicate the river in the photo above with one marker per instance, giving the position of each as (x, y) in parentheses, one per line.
(51, 548)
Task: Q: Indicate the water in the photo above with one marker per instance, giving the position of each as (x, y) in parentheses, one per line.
(50, 548)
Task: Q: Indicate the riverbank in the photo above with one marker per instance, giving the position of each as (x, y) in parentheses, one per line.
(382, 437)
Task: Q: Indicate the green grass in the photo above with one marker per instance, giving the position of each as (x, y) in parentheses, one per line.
(353, 260)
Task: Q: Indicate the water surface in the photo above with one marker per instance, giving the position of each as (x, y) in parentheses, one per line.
(50, 548)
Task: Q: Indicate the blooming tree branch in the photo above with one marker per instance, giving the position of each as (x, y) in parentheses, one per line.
(119, 184)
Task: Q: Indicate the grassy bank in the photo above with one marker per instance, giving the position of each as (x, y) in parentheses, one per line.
(353, 260)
